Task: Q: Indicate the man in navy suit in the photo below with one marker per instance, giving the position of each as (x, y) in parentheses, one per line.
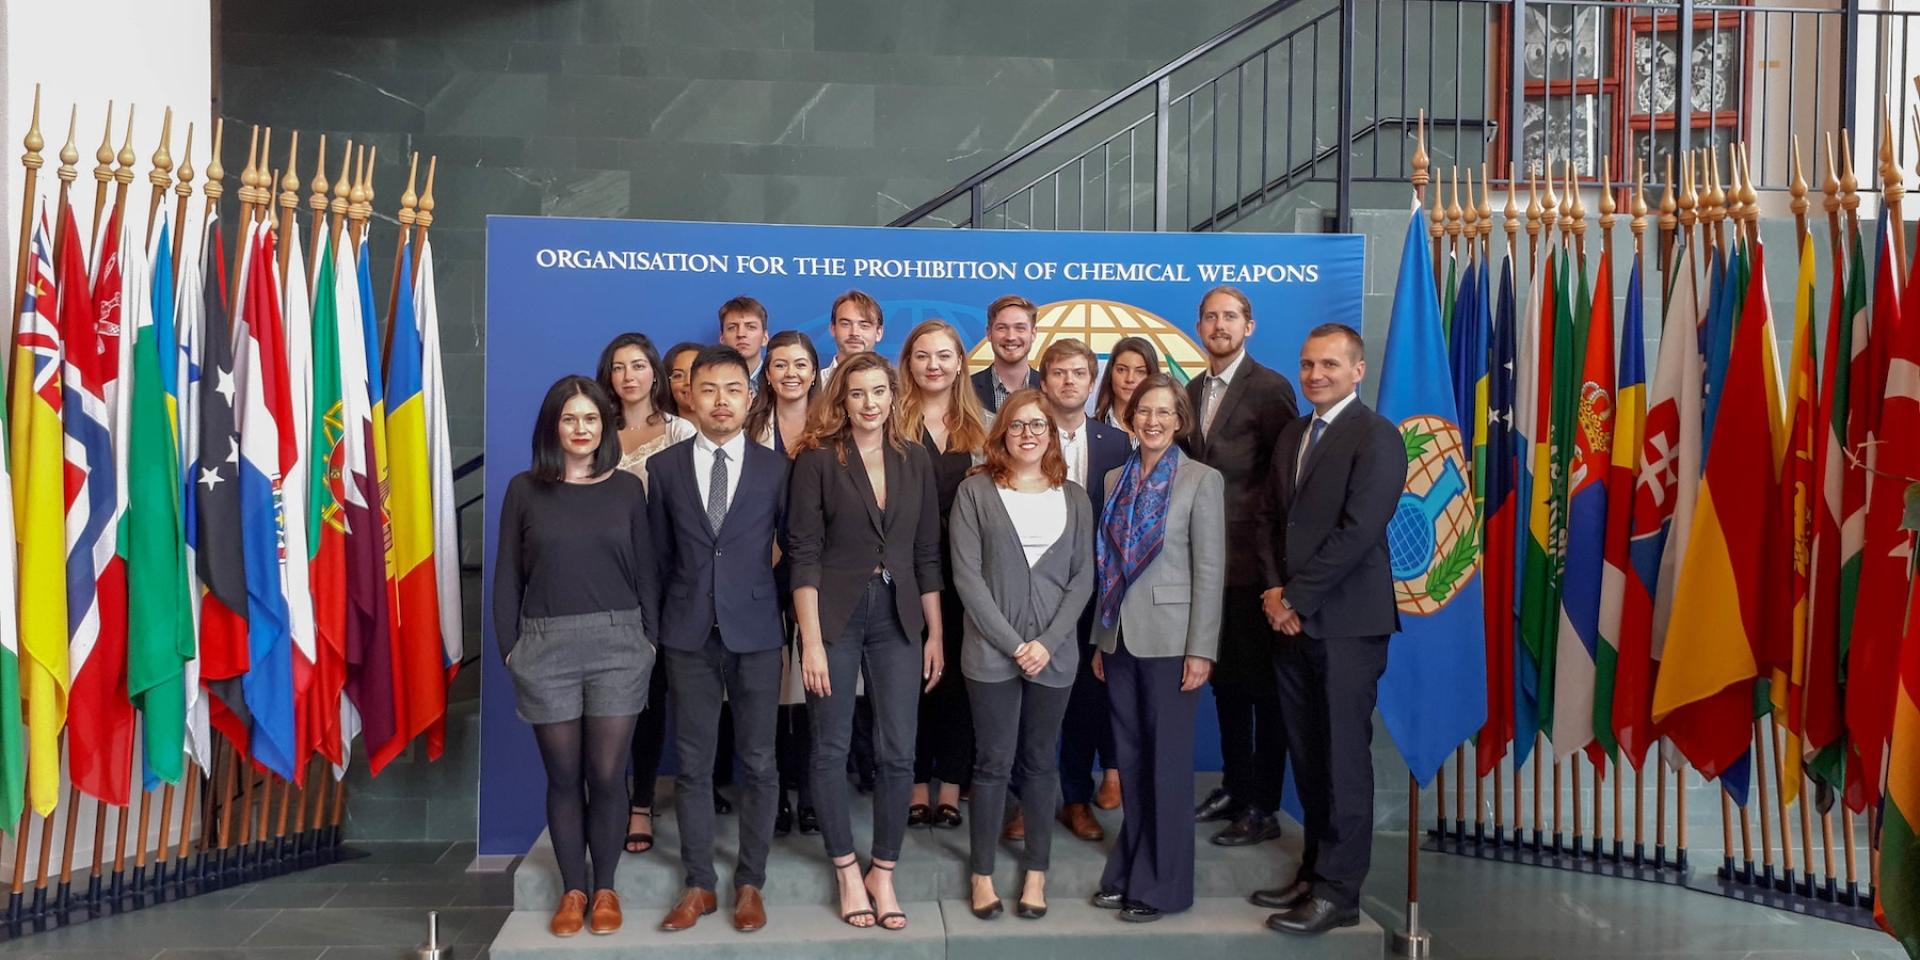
(1091, 448)
(717, 503)
(1010, 330)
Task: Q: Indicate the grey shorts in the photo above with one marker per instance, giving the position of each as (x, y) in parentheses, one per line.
(588, 664)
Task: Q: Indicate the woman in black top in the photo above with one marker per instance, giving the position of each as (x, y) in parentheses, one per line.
(864, 543)
(574, 605)
(939, 404)
(1131, 361)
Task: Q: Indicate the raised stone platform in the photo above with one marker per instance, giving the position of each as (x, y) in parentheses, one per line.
(932, 884)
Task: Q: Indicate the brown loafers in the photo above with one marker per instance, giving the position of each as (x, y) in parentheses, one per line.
(606, 913)
(693, 905)
(1079, 821)
(749, 914)
(570, 916)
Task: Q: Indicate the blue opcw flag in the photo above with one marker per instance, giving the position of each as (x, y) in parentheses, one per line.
(1434, 694)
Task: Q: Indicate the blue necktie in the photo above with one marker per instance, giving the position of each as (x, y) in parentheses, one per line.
(1313, 440)
(717, 491)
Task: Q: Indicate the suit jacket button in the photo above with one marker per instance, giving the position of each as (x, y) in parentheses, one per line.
(719, 553)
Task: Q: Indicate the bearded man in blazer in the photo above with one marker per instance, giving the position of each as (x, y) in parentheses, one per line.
(1335, 482)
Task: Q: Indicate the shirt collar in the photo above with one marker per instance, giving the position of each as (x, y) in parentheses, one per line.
(1345, 402)
(734, 447)
(1226, 376)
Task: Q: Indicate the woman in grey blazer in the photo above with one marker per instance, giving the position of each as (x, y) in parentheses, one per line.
(1022, 537)
(1161, 555)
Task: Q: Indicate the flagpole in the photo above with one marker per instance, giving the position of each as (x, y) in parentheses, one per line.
(31, 161)
(123, 169)
(289, 203)
(161, 176)
(408, 200)
(423, 216)
(1892, 188)
(1446, 221)
(317, 202)
(1850, 202)
(102, 172)
(183, 189)
(242, 224)
(1412, 941)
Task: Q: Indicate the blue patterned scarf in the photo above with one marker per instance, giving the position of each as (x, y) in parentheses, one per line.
(1136, 526)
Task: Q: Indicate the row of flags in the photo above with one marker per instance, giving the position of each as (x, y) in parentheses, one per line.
(226, 506)
(1668, 562)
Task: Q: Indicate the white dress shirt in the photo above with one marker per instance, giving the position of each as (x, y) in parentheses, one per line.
(1073, 446)
(703, 449)
(1216, 385)
(1300, 456)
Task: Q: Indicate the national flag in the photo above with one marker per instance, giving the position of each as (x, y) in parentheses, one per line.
(1467, 352)
(160, 628)
(180, 374)
(1896, 902)
(1546, 570)
(325, 519)
(446, 522)
(13, 746)
(1841, 490)
(1716, 345)
(1892, 459)
(1590, 433)
(1433, 694)
(266, 454)
(1704, 693)
(1534, 420)
(369, 678)
(1664, 495)
(1791, 595)
(1623, 481)
(99, 717)
(296, 493)
(39, 523)
(218, 551)
(1502, 464)
(386, 693)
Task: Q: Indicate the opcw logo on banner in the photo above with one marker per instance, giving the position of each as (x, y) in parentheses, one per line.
(1432, 538)
(1101, 324)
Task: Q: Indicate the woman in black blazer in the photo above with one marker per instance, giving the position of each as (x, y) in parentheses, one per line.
(864, 543)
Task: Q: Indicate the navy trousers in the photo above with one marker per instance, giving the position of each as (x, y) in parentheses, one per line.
(1152, 862)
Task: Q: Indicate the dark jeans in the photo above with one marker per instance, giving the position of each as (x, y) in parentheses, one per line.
(751, 682)
(873, 639)
(1152, 861)
(1330, 687)
(790, 744)
(1016, 724)
(944, 751)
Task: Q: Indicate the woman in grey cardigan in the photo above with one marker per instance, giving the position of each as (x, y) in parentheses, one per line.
(1161, 553)
(1022, 541)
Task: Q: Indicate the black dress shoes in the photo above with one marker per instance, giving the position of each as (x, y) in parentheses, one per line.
(1137, 912)
(808, 822)
(1314, 916)
(721, 805)
(1282, 898)
(783, 817)
(1219, 805)
(1251, 827)
(1109, 901)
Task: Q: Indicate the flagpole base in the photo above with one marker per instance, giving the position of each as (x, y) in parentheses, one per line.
(1412, 943)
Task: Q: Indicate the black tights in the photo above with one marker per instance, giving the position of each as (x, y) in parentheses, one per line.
(586, 794)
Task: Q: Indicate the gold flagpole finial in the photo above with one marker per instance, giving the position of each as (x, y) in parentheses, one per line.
(1915, 118)
(356, 190)
(1420, 159)
(103, 157)
(1639, 222)
(342, 186)
(409, 199)
(247, 174)
(1749, 197)
(263, 177)
(373, 159)
(162, 160)
(70, 154)
(1831, 186)
(290, 184)
(1890, 177)
(1849, 181)
(184, 173)
(424, 217)
(1797, 188)
(124, 161)
(1688, 199)
(1667, 204)
(1576, 211)
(1512, 213)
(1456, 218)
(1550, 208)
(1607, 206)
(1535, 214)
(1486, 204)
(317, 200)
(33, 141)
(216, 174)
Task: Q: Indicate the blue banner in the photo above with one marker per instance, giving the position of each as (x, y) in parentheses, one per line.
(559, 289)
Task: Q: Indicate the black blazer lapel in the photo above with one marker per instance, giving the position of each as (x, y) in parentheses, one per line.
(1344, 430)
(858, 469)
(691, 473)
(1288, 447)
(1242, 383)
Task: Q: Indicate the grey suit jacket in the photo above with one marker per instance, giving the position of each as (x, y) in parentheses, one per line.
(1173, 608)
(1008, 602)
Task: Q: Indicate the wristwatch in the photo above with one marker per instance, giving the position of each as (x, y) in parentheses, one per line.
(1287, 604)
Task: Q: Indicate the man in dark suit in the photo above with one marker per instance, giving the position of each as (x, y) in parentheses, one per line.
(1336, 481)
(1010, 329)
(716, 504)
(1241, 407)
(1091, 448)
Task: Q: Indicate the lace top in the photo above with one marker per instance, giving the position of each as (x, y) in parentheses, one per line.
(635, 461)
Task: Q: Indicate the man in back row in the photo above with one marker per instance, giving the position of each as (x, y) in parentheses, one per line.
(1010, 322)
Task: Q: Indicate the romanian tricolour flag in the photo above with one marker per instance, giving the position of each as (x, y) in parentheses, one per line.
(39, 506)
(446, 526)
(1623, 481)
(1577, 647)
(1704, 694)
(1663, 500)
(1498, 550)
(1433, 695)
(419, 665)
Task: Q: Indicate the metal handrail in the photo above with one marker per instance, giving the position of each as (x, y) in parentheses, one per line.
(1131, 90)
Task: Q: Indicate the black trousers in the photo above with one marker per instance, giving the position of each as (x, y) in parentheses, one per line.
(1329, 688)
(1152, 860)
(751, 683)
(1086, 734)
(650, 735)
(944, 751)
(1253, 728)
(873, 643)
(1017, 725)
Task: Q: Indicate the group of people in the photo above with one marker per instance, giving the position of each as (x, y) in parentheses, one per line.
(806, 556)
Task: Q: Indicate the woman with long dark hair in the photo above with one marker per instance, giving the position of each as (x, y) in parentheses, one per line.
(864, 540)
(679, 365)
(789, 379)
(1131, 361)
(1022, 537)
(939, 404)
(629, 371)
(575, 600)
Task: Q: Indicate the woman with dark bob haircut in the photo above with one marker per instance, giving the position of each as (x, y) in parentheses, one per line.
(575, 600)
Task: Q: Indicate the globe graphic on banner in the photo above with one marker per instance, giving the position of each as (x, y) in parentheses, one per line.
(1431, 537)
(1102, 323)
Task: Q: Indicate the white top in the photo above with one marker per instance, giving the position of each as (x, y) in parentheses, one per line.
(1040, 518)
(1215, 387)
(703, 449)
(1073, 446)
(635, 461)
(1300, 456)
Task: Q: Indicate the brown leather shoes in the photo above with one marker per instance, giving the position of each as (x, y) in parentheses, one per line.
(749, 914)
(570, 916)
(1016, 828)
(1079, 821)
(1109, 796)
(605, 918)
(693, 905)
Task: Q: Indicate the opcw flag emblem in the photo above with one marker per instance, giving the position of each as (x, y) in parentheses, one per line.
(1432, 538)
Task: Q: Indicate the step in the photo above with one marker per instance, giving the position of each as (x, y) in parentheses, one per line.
(933, 865)
(1072, 930)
